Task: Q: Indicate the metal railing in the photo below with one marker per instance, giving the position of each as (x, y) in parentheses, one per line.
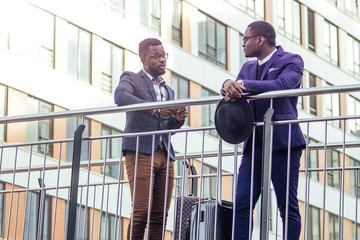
(34, 182)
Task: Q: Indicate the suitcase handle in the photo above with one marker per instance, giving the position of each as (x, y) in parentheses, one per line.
(194, 181)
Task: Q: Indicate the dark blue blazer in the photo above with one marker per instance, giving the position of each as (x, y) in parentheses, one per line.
(283, 71)
(138, 88)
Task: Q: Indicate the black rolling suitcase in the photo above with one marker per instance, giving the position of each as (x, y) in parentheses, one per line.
(184, 205)
(206, 220)
(202, 223)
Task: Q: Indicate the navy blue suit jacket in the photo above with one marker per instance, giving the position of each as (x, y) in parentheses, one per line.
(138, 88)
(283, 71)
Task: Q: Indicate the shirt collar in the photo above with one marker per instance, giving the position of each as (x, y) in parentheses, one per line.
(162, 81)
(267, 58)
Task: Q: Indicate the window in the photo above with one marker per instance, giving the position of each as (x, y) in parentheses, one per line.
(212, 40)
(2, 209)
(41, 130)
(353, 55)
(331, 42)
(79, 52)
(176, 28)
(313, 162)
(353, 108)
(209, 182)
(332, 106)
(311, 30)
(313, 231)
(144, 9)
(71, 126)
(281, 14)
(19, 29)
(312, 98)
(333, 161)
(3, 104)
(289, 19)
(352, 7)
(208, 111)
(150, 14)
(114, 6)
(354, 185)
(32, 217)
(38, 32)
(355, 230)
(333, 227)
(258, 212)
(333, 2)
(110, 148)
(178, 173)
(112, 66)
(251, 7)
(108, 226)
(180, 86)
(82, 223)
(46, 32)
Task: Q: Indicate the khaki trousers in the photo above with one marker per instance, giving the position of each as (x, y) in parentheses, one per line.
(141, 199)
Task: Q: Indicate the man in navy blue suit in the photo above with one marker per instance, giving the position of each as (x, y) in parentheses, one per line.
(274, 69)
(148, 86)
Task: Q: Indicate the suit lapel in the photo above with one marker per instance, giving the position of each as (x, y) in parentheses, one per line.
(149, 84)
(274, 57)
(253, 70)
(169, 93)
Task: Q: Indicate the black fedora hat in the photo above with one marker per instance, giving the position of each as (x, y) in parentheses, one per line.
(234, 120)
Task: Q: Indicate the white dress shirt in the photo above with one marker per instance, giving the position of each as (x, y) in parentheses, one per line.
(159, 89)
(267, 58)
(160, 94)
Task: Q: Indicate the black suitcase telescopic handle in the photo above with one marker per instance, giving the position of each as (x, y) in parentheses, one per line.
(194, 181)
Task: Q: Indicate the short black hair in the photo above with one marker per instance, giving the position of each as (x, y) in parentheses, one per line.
(265, 29)
(146, 43)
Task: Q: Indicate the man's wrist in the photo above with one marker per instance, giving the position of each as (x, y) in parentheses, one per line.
(225, 82)
(240, 81)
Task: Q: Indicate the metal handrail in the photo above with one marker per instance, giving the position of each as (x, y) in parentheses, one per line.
(176, 103)
(180, 130)
(191, 155)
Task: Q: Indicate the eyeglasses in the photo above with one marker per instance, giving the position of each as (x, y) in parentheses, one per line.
(159, 56)
(245, 39)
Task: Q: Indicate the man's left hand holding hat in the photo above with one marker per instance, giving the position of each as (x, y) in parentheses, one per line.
(233, 89)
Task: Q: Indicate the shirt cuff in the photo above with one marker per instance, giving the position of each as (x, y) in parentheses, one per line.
(222, 91)
(156, 111)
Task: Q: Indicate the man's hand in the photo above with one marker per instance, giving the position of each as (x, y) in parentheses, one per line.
(181, 114)
(167, 112)
(233, 90)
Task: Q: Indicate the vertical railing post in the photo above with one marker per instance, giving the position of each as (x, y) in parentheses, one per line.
(218, 187)
(40, 214)
(266, 175)
(74, 182)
